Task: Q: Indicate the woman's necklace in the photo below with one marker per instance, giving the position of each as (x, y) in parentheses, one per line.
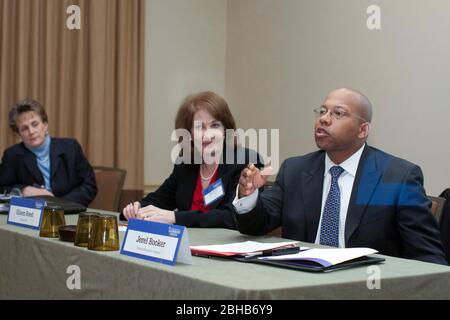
(207, 178)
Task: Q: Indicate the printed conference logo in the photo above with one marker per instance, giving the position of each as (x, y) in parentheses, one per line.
(173, 232)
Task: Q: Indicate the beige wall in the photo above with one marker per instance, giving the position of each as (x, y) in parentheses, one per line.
(283, 56)
(185, 53)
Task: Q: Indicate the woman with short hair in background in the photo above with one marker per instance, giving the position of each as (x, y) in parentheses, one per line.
(41, 165)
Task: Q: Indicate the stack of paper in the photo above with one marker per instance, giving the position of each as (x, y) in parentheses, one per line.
(241, 248)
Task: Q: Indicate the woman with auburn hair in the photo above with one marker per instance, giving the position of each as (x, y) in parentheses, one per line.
(204, 179)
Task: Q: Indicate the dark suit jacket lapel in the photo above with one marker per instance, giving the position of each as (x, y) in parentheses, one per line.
(31, 165)
(188, 182)
(367, 178)
(312, 185)
(56, 154)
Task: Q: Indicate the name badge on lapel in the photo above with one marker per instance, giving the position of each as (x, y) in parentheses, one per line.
(213, 193)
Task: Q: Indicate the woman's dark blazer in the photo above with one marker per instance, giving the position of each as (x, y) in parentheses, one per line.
(177, 192)
(72, 177)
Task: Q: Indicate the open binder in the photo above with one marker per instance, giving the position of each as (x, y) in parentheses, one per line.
(289, 255)
(313, 266)
(319, 260)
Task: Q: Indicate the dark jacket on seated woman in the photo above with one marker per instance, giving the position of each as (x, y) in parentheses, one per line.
(177, 192)
(71, 175)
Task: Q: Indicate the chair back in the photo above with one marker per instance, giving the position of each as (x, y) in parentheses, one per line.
(437, 205)
(445, 223)
(109, 185)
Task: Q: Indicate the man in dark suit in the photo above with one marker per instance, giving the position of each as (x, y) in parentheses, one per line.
(348, 194)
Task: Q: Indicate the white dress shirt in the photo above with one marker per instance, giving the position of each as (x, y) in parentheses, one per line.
(345, 183)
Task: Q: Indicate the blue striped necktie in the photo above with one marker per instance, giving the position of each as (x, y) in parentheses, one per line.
(329, 229)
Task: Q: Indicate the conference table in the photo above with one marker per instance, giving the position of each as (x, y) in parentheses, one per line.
(32, 267)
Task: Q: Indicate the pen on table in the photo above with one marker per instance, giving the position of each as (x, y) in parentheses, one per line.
(203, 255)
(274, 252)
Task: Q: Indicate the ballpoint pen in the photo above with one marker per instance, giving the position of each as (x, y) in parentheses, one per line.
(273, 252)
(282, 251)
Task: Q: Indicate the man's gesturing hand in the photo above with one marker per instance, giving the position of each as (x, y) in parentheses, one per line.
(251, 179)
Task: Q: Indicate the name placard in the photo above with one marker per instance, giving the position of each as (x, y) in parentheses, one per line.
(25, 212)
(158, 242)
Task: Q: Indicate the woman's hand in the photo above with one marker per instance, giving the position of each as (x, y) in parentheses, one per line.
(152, 213)
(131, 210)
(33, 191)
